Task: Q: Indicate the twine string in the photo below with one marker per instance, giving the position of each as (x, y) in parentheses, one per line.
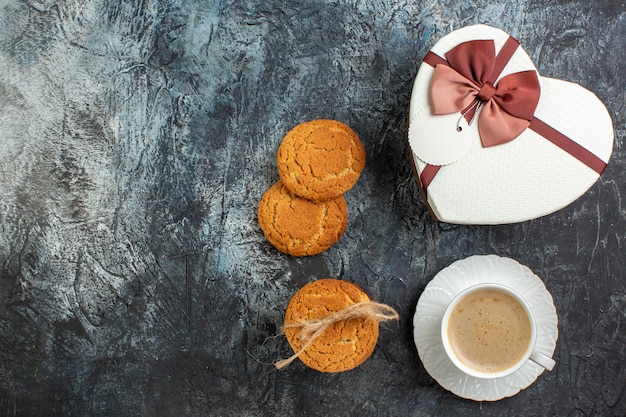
(312, 329)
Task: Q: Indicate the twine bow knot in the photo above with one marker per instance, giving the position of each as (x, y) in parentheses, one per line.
(312, 329)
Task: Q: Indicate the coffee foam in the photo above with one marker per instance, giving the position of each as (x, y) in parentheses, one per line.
(489, 331)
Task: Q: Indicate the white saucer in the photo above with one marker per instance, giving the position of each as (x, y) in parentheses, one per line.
(452, 280)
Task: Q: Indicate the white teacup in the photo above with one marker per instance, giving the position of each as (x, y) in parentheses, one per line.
(488, 331)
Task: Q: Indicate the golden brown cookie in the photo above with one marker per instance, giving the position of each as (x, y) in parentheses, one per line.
(320, 159)
(300, 227)
(345, 344)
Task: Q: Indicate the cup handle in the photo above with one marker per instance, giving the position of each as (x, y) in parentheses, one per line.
(542, 360)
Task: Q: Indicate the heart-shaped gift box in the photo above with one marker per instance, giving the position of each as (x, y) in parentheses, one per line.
(491, 141)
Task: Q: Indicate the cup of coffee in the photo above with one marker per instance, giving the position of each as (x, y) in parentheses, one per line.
(488, 331)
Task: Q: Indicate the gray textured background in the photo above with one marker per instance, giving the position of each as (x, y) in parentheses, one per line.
(136, 139)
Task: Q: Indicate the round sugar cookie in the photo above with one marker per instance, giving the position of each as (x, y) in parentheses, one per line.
(301, 227)
(320, 159)
(345, 344)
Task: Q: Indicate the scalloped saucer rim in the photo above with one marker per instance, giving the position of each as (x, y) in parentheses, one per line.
(450, 281)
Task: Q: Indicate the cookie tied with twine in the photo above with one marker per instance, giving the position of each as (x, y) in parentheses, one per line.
(332, 325)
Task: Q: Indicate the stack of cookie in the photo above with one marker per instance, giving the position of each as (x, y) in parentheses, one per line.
(305, 212)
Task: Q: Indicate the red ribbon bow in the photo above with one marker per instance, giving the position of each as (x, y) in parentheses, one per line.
(467, 80)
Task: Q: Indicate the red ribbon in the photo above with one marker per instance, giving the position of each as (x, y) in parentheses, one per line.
(467, 79)
(485, 64)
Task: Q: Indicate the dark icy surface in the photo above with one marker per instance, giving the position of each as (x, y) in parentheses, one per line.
(136, 139)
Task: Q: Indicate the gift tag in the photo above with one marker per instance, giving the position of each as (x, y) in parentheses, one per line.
(439, 140)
